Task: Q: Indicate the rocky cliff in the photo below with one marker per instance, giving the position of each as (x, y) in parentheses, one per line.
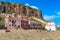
(6, 7)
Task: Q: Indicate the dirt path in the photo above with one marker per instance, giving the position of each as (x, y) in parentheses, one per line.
(29, 35)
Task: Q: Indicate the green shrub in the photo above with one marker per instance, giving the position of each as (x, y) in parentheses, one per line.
(1, 20)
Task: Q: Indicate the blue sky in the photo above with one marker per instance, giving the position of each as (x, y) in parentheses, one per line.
(50, 8)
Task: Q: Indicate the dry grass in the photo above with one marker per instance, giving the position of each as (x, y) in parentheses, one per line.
(21, 34)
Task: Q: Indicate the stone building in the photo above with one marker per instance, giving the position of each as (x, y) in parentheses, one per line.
(24, 11)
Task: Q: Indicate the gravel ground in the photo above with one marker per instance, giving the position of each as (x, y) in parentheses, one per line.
(21, 34)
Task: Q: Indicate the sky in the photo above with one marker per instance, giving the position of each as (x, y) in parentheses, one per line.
(50, 8)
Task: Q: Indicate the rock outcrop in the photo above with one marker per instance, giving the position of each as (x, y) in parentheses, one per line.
(18, 8)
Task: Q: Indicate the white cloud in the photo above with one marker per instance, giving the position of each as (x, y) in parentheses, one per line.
(58, 13)
(50, 17)
(31, 6)
(27, 4)
(34, 7)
